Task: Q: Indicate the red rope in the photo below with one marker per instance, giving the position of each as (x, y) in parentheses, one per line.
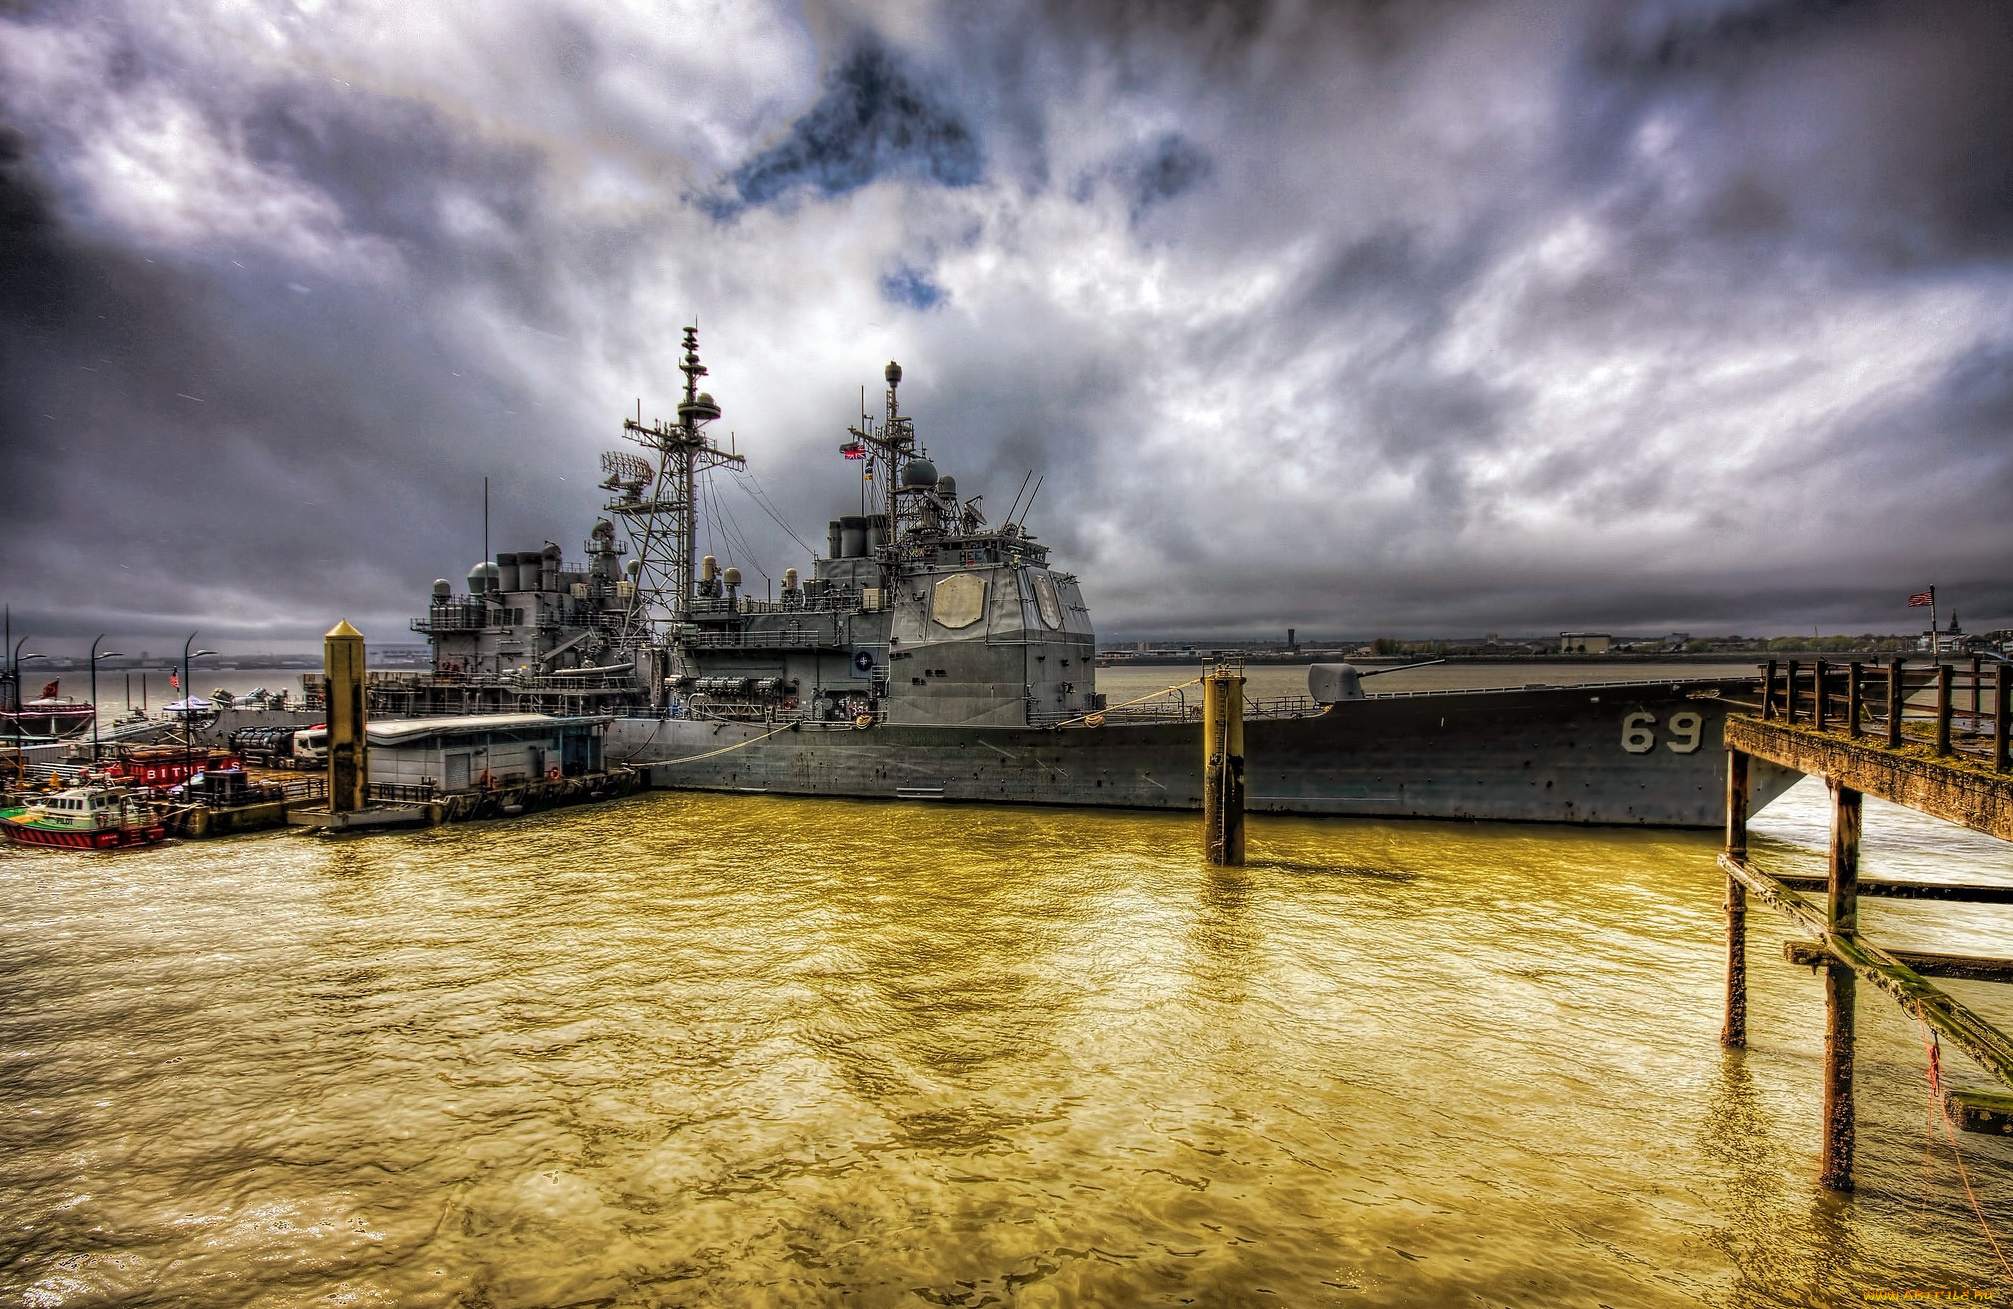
(1939, 1108)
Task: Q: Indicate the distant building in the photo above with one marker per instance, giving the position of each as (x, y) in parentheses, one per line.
(1585, 642)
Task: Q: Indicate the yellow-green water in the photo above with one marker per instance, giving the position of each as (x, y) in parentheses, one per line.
(690, 1049)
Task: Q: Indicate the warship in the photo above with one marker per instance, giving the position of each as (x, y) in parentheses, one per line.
(935, 654)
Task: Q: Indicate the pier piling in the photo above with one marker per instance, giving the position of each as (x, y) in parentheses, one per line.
(1223, 765)
(1841, 986)
(1897, 701)
(1733, 1030)
(1999, 717)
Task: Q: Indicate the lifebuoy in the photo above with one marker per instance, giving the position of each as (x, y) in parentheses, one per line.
(552, 774)
(863, 722)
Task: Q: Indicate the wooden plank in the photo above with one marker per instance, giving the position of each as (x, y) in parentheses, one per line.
(1968, 968)
(1909, 890)
(1992, 1048)
(1952, 789)
(1733, 1025)
(1981, 1111)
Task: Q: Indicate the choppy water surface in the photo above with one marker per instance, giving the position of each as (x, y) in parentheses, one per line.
(750, 1050)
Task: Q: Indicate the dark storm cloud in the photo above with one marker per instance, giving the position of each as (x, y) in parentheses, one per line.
(1363, 317)
(875, 119)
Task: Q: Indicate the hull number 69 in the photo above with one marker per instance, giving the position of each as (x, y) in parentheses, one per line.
(1639, 732)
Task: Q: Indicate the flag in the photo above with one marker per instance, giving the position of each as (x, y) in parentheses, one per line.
(853, 450)
(1921, 598)
(49, 691)
(175, 681)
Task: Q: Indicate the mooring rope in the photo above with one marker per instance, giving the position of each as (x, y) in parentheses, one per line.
(1100, 713)
(725, 749)
(1932, 1049)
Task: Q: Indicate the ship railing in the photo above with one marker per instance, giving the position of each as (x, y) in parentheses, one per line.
(313, 787)
(402, 792)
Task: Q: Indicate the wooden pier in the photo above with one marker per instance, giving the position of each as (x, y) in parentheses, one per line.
(1938, 750)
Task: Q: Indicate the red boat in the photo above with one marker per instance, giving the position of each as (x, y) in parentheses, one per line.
(91, 817)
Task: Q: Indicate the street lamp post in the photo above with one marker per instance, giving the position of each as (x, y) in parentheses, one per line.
(189, 711)
(14, 661)
(96, 655)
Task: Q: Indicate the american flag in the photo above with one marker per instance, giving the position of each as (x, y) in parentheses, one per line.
(1921, 598)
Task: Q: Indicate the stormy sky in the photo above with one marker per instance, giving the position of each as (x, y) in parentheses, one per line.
(1421, 318)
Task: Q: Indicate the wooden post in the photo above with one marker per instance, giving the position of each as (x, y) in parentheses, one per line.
(349, 760)
(1897, 702)
(1840, 991)
(1820, 712)
(1855, 705)
(1223, 766)
(1976, 674)
(1790, 697)
(1945, 674)
(1768, 691)
(1999, 689)
(1733, 1030)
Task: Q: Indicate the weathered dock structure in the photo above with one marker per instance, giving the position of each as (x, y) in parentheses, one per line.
(1931, 753)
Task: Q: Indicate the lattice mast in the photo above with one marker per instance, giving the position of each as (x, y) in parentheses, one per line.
(664, 527)
(886, 447)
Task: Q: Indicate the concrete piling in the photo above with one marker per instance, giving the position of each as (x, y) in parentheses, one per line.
(348, 750)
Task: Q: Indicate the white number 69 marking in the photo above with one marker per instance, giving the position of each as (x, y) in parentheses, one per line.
(1638, 737)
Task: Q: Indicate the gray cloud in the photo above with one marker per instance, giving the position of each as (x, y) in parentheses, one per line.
(1363, 318)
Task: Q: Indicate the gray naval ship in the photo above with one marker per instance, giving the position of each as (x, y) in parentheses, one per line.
(934, 654)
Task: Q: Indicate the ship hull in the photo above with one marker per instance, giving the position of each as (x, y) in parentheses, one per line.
(1638, 755)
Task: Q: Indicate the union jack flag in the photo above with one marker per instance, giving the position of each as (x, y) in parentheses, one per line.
(853, 450)
(1921, 598)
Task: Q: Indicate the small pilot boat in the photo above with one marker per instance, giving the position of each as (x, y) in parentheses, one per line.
(89, 817)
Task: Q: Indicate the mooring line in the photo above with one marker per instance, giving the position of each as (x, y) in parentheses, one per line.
(1100, 713)
(1932, 1050)
(725, 749)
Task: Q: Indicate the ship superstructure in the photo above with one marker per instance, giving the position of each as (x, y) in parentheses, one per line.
(920, 611)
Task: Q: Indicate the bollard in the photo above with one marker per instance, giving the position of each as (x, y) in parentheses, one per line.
(349, 759)
(1223, 765)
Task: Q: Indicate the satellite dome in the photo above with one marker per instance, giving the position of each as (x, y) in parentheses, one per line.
(442, 588)
(918, 475)
(947, 485)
